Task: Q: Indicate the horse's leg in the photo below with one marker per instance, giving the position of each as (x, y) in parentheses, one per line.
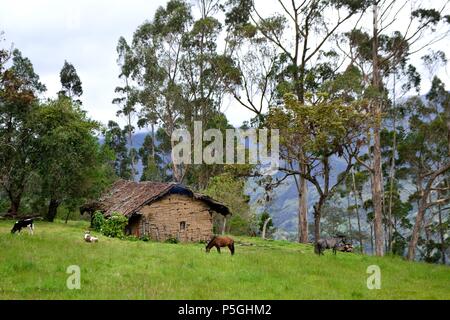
(218, 249)
(231, 247)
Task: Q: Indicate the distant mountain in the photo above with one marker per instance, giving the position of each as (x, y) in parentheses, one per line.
(284, 206)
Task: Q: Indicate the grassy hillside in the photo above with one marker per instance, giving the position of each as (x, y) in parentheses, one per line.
(34, 267)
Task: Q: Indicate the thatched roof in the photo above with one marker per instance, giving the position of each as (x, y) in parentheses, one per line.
(128, 197)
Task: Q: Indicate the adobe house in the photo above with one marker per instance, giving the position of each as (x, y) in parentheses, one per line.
(160, 210)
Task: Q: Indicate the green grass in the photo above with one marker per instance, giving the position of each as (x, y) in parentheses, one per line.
(34, 267)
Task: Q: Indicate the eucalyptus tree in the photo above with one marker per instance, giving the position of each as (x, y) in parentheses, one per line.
(299, 33)
(116, 141)
(158, 46)
(128, 97)
(378, 55)
(180, 74)
(424, 153)
(70, 82)
(153, 159)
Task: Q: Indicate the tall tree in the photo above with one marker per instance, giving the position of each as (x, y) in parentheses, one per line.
(329, 129)
(158, 47)
(379, 55)
(181, 76)
(128, 98)
(116, 141)
(425, 152)
(305, 21)
(153, 155)
(70, 82)
(19, 90)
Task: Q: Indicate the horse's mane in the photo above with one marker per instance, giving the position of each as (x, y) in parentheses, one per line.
(212, 239)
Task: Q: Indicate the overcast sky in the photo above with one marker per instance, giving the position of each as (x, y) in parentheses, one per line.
(85, 33)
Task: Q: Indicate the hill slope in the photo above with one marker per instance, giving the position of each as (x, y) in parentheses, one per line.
(34, 267)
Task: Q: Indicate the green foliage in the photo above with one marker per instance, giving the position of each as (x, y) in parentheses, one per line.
(114, 226)
(70, 81)
(262, 218)
(325, 127)
(98, 221)
(237, 13)
(116, 144)
(19, 89)
(399, 244)
(152, 155)
(334, 220)
(229, 190)
(69, 161)
(172, 240)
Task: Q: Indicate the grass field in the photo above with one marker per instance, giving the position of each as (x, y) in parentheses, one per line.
(34, 267)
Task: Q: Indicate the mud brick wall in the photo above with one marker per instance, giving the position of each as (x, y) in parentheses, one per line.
(175, 216)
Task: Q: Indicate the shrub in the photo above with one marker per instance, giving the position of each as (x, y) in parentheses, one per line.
(114, 226)
(98, 220)
(172, 240)
(131, 238)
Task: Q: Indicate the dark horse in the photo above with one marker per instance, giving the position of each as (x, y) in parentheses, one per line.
(336, 244)
(220, 241)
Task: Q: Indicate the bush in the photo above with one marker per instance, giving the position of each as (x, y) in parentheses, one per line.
(172, 240)
(98, 220)
(114, 226)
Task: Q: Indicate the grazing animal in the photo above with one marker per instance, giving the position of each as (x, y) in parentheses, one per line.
(23, 224)
(332, 243)
(219, 242)
(348, 247)
(89, 238)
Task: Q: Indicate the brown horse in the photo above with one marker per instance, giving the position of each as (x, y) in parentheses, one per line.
(220, 241)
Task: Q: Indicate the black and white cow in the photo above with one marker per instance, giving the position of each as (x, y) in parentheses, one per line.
(25, 223)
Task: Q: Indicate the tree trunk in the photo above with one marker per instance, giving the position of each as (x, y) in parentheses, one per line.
(303, 211)
(441, 234)
(377, 207)
(317, 216)
(423, 205)
(176, 170)
(355, 196)
(377, 174)
(130, 141)
(371, 238)
(359, 232)
(67, 216)
(263, 236)
(392, 172)
(130, 135)
(52, 210)
(14, 206)
(153, 141)
(349, 216)
(416, 230)
(224, 226)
